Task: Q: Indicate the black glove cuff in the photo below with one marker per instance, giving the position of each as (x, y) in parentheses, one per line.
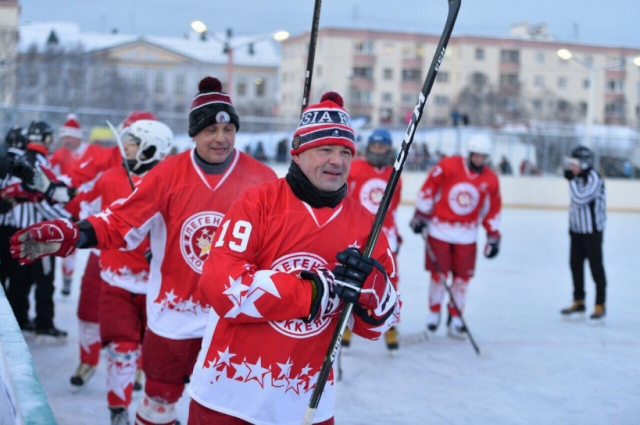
(316, 303)
(88, 237)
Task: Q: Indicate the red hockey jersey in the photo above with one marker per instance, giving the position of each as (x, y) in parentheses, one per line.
(128, 270)
(180, 207)
(64, 162)
(259, 361)
(457, 199)
(367, 185)
(87, 171)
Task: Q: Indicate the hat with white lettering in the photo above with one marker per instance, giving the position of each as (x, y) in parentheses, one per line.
(211, 106)
(326, 123)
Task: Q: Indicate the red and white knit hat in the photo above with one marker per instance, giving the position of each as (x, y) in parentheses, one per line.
(326, 123)
(71, 127)
(211, 106)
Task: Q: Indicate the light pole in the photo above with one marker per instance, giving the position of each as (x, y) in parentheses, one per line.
(566, 55)
(201, 28)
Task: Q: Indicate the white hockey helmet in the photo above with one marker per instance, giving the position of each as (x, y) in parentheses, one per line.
(153, 137)
(480, 143)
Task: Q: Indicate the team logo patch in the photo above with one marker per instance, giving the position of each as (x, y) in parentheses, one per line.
(222, 117)
(292, 264)
(463, 198)
(371, 194)
(196, 238)
(296, 142)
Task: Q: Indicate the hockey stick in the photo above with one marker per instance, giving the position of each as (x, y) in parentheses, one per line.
(306, 93)
(434, 260)
(124, 155)
(454, 7)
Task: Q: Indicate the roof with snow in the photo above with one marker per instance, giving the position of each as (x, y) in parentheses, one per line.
(211, 50)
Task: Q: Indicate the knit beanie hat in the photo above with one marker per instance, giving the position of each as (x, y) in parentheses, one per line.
(211, 106)
(326, 123)
(71, 127)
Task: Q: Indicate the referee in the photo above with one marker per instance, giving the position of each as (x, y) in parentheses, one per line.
(587, 218)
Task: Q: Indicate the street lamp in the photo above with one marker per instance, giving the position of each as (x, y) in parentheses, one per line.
(566, 55)
(201, 28)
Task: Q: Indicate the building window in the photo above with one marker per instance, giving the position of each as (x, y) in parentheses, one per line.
(615, 86)
(387, 97)
(537, 105)
(363, 72)
(387, 74)
(616, 109)
(509, 80)
(510, 56)
(361, 97)
(442, 101)
(562, 82)
(585, 84)
(479, 54)
(479, 78)
(538, 81)
(241, 88)
(386, 116)
(442, 77)
(138, 81)
(583, 109)
(261, 86)
(408, 98)
(411, 75)
(539, 57)
(180, 84)
(363, 47)
(563, 105)
(159, 84)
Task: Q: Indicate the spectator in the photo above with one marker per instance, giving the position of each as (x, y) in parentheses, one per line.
(505, 166)
(259, 153)
(281, 154)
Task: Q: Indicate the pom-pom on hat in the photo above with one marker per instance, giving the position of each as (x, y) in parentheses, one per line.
(211, 106)
(71, 127)
(326, 123)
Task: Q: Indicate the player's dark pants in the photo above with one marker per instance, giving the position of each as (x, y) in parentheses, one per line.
(40, 273)
(7, 263)
(587, 246)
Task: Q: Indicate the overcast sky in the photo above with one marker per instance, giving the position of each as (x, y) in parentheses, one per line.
(609, 22)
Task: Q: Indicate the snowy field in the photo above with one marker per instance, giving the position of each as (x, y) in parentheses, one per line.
(535, 368)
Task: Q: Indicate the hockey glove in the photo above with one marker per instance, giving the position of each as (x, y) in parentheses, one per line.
(324, 301)
(493, 245)
(53, 190)
(568, 174)
(360, 280)
(18, 193)
(57, 237)
(420, 223)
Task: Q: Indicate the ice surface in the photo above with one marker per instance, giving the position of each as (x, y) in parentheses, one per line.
(535, 368)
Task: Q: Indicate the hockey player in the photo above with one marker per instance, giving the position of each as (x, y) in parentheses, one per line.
(367, 182)
(180, 203)
(458, 194)
(275, 288)
(587, 219)
(72, 153)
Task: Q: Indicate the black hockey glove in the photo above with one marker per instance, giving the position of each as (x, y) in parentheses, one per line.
(359, 279)
(568, 174)
(322, 282)
(419, 223)
(492, 247)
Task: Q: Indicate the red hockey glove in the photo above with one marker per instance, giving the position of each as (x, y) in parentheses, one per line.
(18, 193)
(360, 280)
(57, 237)
(420, 223)
(324, 301)
(492, 247)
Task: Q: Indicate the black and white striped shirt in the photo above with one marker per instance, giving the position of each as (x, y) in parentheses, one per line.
(588, 211)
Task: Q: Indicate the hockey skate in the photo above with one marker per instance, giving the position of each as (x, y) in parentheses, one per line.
(455, 328)
(598, 314)
(574, 312)
(433, 321)
(51, 334)
(83, 374)
(346, 338)
(391, 337)
(119, 416)
(66, 286)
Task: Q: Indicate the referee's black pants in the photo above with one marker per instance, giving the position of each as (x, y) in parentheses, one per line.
(7, 263)
(41, 274)
(587, 246)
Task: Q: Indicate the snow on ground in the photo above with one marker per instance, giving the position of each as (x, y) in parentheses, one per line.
(534, 369)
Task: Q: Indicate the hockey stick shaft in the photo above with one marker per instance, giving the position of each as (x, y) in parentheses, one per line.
(306, 93)
(122, 152)
(454, 7)
(434, 260)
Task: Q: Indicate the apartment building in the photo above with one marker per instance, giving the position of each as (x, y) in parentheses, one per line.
(9, 15)
(514, 79)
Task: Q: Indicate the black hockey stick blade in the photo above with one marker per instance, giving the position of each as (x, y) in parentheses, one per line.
(334, 346)
(315, 23)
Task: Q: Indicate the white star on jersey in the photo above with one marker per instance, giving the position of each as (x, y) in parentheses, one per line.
(261, 284)
(257, 372)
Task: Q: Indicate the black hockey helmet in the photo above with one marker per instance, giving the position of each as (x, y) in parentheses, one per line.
(583, 157)
(40, 132)
(16, 138)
